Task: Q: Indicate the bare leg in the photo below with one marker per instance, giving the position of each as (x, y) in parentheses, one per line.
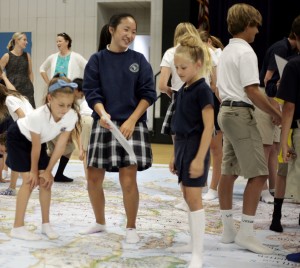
(265, 193)
(252, 193)
(96, 193)
(19, 231)
(216, 152)
(95, 177)
(130, 194)
(45, 200)
(131, 201)
(273, 164)
(22, 200)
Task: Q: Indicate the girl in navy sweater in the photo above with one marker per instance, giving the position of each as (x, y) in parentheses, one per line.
(118, 84)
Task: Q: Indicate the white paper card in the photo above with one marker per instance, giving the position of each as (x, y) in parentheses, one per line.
(281, 62)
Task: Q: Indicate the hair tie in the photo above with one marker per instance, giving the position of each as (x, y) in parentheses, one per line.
(61, 84)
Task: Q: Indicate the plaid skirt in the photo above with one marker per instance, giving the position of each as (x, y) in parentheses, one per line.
(104, 150)
(166, 126)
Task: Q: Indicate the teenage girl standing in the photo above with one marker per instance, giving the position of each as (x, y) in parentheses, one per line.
(193, 125)
(26, 140)
(118, 84)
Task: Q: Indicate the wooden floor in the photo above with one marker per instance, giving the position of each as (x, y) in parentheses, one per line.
(161, 153)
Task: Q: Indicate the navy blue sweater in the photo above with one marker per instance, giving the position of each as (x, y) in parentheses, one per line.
(119, 81)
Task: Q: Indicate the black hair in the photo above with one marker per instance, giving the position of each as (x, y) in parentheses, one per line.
(114, 21)
(67, 38)
(105, 37)
(79, 82)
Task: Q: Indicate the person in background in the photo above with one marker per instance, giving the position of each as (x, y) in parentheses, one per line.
(86, 122)
(289, 92)
(215, 48)
(66, 61)
(118, 85)
(4, 124)
(193, 125)
(269, 132)
(13, 104)
(238, 81)
(63, 63)
(18, 67)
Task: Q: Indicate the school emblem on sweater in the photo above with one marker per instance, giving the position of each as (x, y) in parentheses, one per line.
(63, 129)
(134, 67)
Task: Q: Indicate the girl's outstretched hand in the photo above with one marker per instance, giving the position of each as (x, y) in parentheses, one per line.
(172, 167)
(46, 179)
(196, 169)
(33, 180)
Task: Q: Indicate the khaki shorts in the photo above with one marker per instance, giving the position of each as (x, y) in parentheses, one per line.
(269, 132)
(86, 124)
(243, 152)
(69, 147)
(293, 176)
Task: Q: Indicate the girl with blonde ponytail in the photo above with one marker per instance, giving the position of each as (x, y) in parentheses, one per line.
(193, 125)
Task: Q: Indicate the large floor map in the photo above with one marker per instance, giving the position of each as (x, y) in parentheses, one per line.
(159, 224)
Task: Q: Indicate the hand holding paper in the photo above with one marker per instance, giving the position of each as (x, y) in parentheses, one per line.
(121, 139)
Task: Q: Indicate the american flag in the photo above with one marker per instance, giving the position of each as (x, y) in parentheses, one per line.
(203, 20)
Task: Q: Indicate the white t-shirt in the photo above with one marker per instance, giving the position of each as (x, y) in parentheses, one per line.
(84, 107)
(14, 103)
(168, 61)
(41, 121)
(237, 68)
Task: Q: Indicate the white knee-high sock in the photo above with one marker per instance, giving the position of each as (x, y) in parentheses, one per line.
(197, 234)
(229, 230)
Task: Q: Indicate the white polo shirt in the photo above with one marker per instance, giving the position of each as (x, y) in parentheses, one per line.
(168, 61)
(14, 103)
(40, 121)
(237, 68)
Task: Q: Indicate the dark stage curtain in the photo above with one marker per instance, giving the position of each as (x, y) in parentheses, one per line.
(277, 20)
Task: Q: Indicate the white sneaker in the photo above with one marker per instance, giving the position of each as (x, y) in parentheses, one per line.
(48, 231)
(131, 236)
(266, 197)
(5, 174)
(24, 234)
(182, 206)
(211, 195)
(9, 191)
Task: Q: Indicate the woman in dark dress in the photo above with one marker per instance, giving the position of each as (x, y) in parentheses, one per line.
(17, 67)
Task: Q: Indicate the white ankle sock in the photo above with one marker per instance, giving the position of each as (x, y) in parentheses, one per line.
(23, 233)
(229, 230)
(210, 195)
(96, 228)
(131, 236)
(47, 230)
(246, 237)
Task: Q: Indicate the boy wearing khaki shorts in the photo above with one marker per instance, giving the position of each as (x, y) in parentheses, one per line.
(242, 150)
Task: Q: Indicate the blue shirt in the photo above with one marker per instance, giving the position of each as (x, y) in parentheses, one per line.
(119, 81)
(189, 103)
(62, 65)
